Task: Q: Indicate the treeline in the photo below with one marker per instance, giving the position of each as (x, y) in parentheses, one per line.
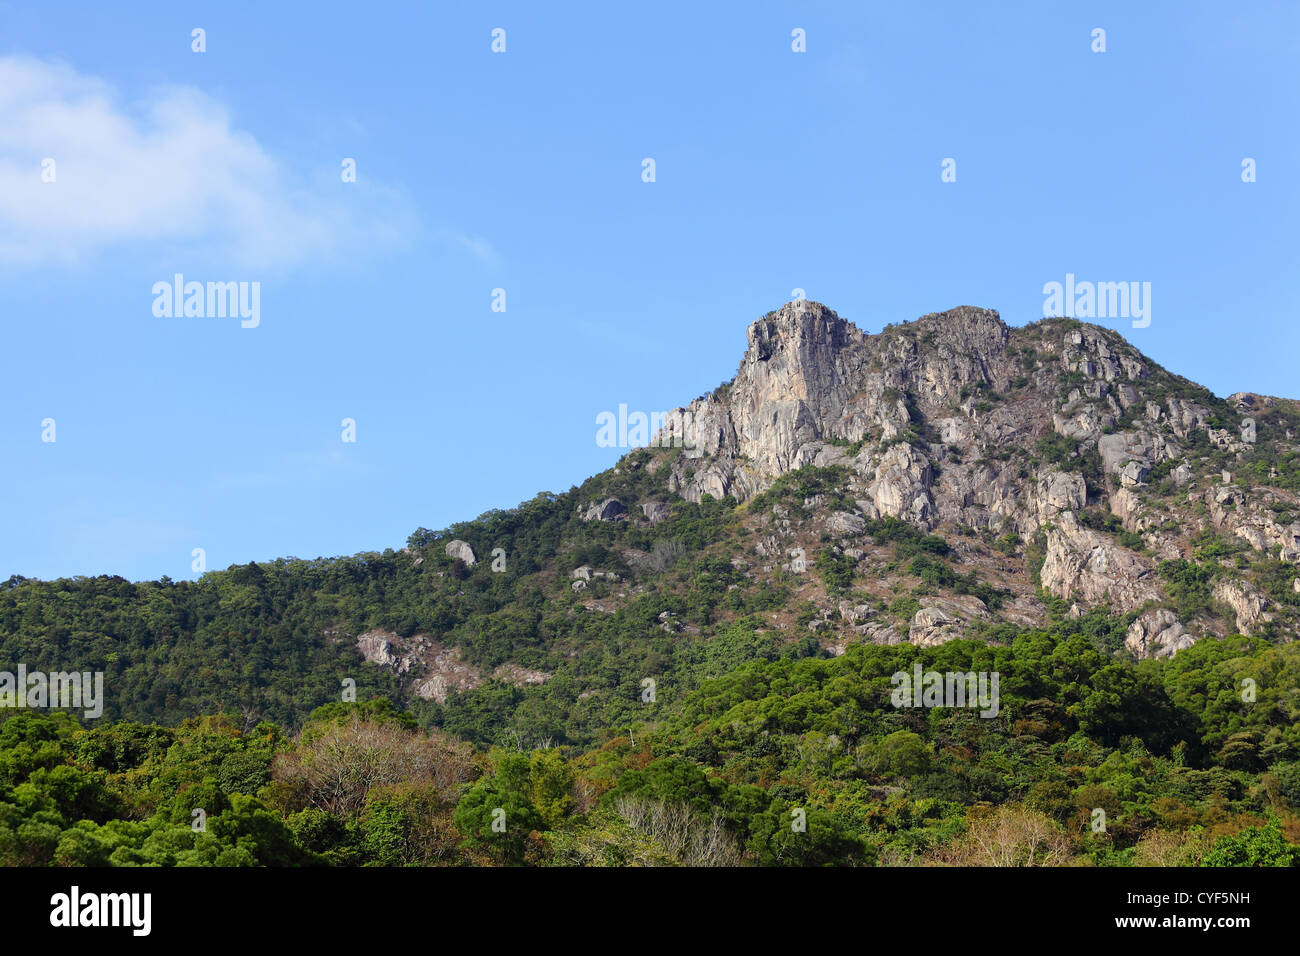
(1089, 761)
(272, 641)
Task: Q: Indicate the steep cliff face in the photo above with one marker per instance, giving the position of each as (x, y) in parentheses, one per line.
(1059, 434)
(814, 389)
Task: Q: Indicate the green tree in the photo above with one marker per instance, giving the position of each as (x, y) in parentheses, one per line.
(1254, 846)
(497, 814)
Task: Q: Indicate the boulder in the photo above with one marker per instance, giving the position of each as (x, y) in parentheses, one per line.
(845, 523)
(940, 620)
(655, 511)
(459, 550)
(1157, 633)
(608, 510)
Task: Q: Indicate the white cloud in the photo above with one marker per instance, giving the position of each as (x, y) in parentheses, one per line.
(171, 168)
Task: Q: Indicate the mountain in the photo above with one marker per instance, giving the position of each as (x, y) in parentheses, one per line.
(1087, 461)
(664, 664)
(1062, 473)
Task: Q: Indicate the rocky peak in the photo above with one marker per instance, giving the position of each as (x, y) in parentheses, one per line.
(811, 383)
(1052, 433)
(802, 367)
(805, 334)
(964, 331)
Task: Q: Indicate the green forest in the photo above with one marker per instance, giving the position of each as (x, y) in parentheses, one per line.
(784, 762)
(681, 728)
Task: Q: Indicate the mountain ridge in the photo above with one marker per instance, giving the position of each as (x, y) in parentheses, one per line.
(947, 422)
(944, 478)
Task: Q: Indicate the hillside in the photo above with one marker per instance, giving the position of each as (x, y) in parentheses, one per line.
(715, 626)
(1063, 470)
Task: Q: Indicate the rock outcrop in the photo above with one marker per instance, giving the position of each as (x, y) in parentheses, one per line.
(655, 511)
(1084, 563)
(611, 509)
(459, 550)
(1157, 633)
(941, 619)
(1043, 435)
(433, 669)
(1246, 602)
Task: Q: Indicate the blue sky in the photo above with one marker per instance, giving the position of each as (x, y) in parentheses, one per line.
(775, 170)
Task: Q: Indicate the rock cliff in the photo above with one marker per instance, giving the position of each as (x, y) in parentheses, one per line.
(1099, 466)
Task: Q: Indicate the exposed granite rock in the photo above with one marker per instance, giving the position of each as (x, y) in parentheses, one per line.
(939, 620)
(901, 488)
(387, 650)
(957, 423)
(855, 613)
(459, 550)
(845, 523)
(445, 672)
(520, 676)
(669, 622)
(434, 669)
(1054, 493)
(655, 511)
(585, 573)
(1080, 560)
(1246, 602)
(1157, 633)
(809, 376)
(608, 510)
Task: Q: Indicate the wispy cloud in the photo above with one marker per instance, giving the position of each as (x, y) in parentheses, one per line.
(172, 167)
